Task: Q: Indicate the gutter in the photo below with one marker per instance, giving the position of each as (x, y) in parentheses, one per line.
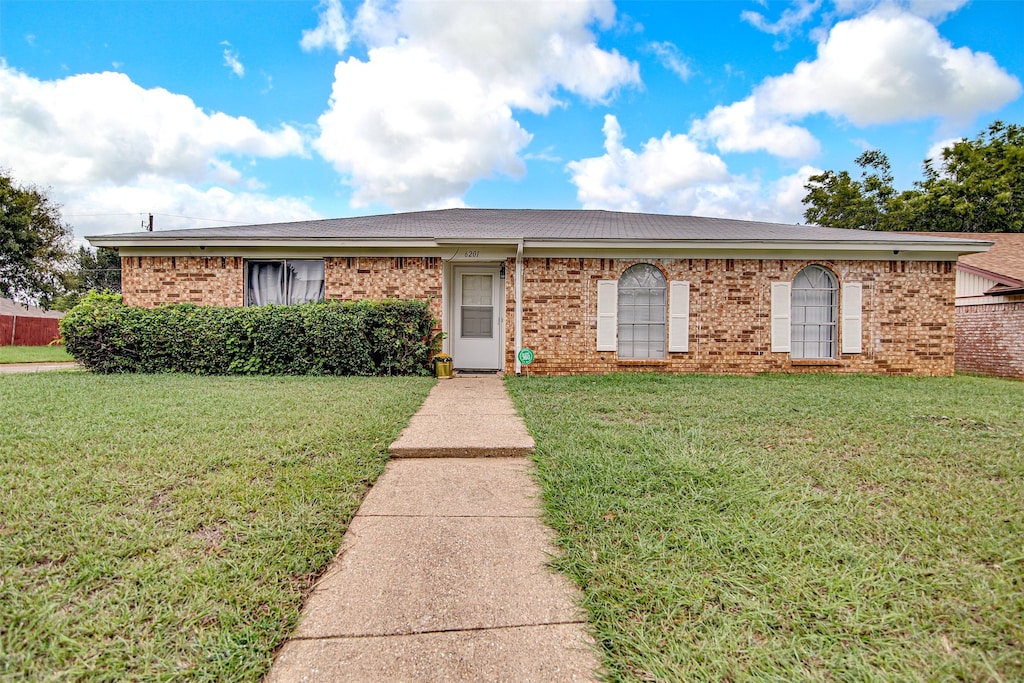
(517, 341)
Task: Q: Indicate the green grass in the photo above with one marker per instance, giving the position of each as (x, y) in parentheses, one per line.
(161, 527)
(789, 527)
(34, 354)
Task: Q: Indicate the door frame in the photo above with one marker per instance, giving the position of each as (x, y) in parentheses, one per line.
(452, 311)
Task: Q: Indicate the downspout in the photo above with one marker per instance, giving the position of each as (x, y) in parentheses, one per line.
(518, 341)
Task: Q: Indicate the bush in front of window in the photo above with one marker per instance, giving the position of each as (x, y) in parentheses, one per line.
(389, 337)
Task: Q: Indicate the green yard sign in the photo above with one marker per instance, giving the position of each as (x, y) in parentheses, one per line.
(526, 356)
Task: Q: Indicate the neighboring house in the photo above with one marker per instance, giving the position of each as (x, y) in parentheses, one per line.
(27, 325)
(591, 291)
(990, 306)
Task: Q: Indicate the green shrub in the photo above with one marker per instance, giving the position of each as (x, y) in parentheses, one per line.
(390, 337)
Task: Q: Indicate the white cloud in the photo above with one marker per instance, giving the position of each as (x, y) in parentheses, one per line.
(883, 67)
(792, 18)
(671, 58)
(331, 31)
(430, 111)
(175, 205)
(96, 137)
(672, 174)
(741, 127)
(103, 127)
(232, 61)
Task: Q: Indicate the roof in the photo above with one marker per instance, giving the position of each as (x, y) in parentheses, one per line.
(529, 225)
(1003, 262)
(8, 307)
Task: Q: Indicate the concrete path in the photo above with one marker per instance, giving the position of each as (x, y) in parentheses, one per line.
(11, 368)
(442, 574)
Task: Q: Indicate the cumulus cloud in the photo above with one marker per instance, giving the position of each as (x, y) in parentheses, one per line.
(883, 67)
(331, 31)
(671, 174)
(431, 109)
(176, 205)
(102, 133)
(103, 127)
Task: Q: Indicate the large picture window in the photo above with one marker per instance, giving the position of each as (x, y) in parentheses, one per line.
(814, 314)
(641, 312)
(284, 282)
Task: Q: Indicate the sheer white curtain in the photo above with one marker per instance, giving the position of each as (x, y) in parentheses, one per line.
(305, 281)
(265, 283)
(814, 312)
(284, 282)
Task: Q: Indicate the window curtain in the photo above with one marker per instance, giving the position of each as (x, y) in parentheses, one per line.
(814, 314)
(266, 284)
(305, 281)
(284, 282)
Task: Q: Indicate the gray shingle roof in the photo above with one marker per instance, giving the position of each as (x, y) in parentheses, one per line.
(527, 224)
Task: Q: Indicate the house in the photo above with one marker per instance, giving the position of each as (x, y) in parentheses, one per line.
(990, 306)
(27, 325)
(591, 291)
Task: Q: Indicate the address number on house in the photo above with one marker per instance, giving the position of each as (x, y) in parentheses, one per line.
(471, 253)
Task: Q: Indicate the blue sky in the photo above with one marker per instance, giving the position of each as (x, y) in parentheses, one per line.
(210, 113)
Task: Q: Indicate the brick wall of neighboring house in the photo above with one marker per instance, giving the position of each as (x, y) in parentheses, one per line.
(990, 339)
(385, 277)
(157, 280)
(907, 324)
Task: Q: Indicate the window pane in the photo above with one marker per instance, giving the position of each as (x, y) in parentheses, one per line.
(265, 283)
(814, 313)
(305, 281)
(477, 322)
(477, 290)
(642, 312)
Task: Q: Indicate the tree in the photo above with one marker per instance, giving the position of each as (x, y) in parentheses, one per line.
(34, 243)
(98, 270)
(978, 186)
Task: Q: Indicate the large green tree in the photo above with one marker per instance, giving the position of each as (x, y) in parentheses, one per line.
(976, 186)
(35, 243)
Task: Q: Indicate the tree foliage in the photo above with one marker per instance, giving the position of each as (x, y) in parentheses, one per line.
(34, 243)
(976, 186)
(98, 271)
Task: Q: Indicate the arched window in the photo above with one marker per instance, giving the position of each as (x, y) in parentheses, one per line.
(814, 313)
(641, 312)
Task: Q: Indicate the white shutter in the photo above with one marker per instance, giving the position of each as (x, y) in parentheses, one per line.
(678, 317)
(780, 317)
(852, 304)
(607, 314)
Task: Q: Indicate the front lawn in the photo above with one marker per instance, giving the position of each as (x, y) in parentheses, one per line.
(789, 527)
(161, 527)
(34, 354)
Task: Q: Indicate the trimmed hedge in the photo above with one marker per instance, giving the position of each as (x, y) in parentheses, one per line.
(389, 337)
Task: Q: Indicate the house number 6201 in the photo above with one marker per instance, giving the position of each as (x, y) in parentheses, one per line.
(471, 254)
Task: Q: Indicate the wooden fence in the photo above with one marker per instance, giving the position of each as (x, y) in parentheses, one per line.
(23, 330)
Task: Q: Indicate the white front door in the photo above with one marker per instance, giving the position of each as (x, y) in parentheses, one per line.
(476, 318)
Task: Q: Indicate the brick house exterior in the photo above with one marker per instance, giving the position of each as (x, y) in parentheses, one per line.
(990, 306)
(721, 296)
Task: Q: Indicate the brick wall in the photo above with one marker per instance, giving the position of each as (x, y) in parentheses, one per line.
(385, 277)
(908, 315)
(156, 280)
(907, 324)
(219, 281)
(990, 339)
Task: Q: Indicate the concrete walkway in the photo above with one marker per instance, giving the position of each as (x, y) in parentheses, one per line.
(442, 574)
(11, 368)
